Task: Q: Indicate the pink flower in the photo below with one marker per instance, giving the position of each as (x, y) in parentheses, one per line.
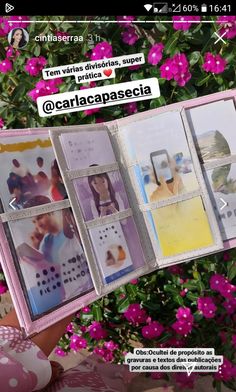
(176, 270)
(86, 309)
(226, 371)
(215, 64)
(217, 281)
(206, 306)
(153, 330)
(1, 126)
(111, 345)
(102, 50)
(77, 342)
(226, 256)
(6, 66)
(174, 342)
(228, 26)
(184, 315)
(182, 327)
(135, 314)
(70, 328)
(134, 281)
(35, 65)
(184, 22)
(62, 34)
(129, 36)
(183, 292)
(155, 54)
(2, 32)
(3, 288)
(58, 351)
(176, 67)
(185, 381)
(13, 22)
(107, 355)
(134, 67)
(96, 331)
(125, 21)
(230, 305)
(233, 340)
(131, 108)
(45, 87)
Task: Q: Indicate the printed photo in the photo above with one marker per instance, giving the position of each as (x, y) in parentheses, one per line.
(84, 148)
(182, 227)
(117, 248)
(101, 194)
(221, 183)
(28, 169)
(213, 127)
(50, 258)
(165, 165)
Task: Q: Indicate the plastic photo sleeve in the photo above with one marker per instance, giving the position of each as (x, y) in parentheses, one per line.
(165, 167)
(213, 127)
(28, 170)
(50, 260)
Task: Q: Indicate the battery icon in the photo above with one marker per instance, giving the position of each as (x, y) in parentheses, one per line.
(203, 8)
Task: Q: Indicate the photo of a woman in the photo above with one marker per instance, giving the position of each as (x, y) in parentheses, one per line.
(18, 38)
(105, 200)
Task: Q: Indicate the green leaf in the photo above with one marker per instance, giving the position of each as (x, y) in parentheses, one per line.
(123, 305)
(192, 297)
(97, 312)
(37, 50)
(171, 43)
(179, 300)
(203, 80)
(194, 57)
(171, 289)
(157, 102)
(232, 271)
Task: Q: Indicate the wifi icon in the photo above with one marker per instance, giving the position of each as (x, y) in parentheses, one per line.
(148, 7)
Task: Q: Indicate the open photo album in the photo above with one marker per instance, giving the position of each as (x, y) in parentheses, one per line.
(87, 208)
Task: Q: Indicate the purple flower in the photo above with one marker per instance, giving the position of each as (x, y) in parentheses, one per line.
(3, 287)
(77, 342)
(96, 331)
(226, 371)
(184, 22)
(125, 21)
(217, 281)
(34, 65)
(129, 36)
(45, 87)
(230, 305)
(215, 64)
(111, 345)
(153, 330)
(226, 256)
(168, 69)
(228, 26)
(70, 328)
(131, 108)
(206, 306)
(184, 314)
(15, 21)
(6, 66)
(58, 351)
(1, 126)
(86, 309)
(103, 50)
(182, 327)
(155, 54)
(134, 281)
(135, 314)
(233, 340)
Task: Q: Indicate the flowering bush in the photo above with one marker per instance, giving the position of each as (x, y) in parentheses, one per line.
(189, 305)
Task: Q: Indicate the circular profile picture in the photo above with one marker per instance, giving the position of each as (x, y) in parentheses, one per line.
(18, 38)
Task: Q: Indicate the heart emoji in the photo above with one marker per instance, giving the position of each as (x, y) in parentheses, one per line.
(107, 72)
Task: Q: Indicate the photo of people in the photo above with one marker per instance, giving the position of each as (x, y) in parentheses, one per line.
(164, 161)
(51, 257)
(117, 248)
(213, 127)
(32, 171)
(18, 38)
(221, 183)
(101, 194)
(83, 149)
